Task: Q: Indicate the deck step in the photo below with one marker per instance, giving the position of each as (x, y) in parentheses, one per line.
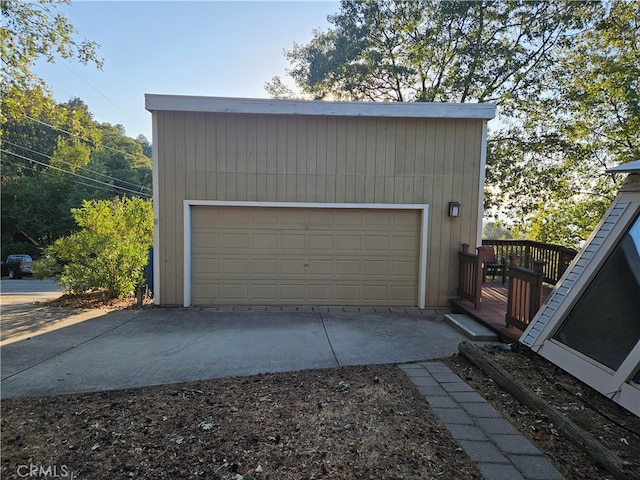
(472, 329)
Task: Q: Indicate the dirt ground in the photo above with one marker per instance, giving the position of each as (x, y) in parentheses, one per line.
(344, 423)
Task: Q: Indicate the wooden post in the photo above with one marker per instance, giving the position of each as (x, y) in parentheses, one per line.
(470, 276)
(140, 296)
(536, 288)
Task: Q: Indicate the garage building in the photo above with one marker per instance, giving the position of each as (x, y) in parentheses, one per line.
(292, 202)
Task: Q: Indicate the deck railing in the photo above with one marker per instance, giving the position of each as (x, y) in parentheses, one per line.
(524, 296)
(470, 277)
(530, 265)
(555, 257)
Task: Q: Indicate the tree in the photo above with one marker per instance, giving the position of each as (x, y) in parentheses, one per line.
(109, 252)
(33, 30)
(435, 51)
(147, 149)
(551, 162)
(563, 74)
(53, 161)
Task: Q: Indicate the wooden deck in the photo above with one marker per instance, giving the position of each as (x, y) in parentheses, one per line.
(493, 309)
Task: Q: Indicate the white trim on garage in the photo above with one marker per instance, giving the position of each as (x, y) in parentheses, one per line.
(424, 209)
(156, 210)
(483, 178)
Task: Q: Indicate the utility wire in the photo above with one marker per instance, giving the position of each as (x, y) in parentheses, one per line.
(83, 168)
(75, 174)
(81, 138)
(21, 165)
(64, 64)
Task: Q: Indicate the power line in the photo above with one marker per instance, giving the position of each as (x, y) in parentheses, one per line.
(75, 174)
(3, 160)
(83, 168)
(81, 138)
(64, 64)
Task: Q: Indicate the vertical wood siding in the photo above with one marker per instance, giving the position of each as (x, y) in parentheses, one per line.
(282, 158)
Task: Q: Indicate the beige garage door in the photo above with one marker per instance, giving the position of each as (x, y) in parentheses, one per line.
(304, 256)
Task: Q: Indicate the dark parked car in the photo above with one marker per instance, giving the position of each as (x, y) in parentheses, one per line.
(17, 266)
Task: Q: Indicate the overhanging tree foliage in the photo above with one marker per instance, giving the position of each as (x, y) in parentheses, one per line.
(551, 159)
(30, 31)
(564, 75)
(109, 252)
(436, 51)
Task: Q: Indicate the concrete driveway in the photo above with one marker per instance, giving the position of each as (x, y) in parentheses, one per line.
(96, 350)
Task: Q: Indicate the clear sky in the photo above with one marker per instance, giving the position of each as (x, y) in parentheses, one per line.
(210, 48)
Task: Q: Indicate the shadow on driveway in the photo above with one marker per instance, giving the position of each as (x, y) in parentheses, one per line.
(23, 318)
(134, 348)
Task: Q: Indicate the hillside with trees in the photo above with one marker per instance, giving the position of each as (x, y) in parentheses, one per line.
(53, 161)
(54, 155)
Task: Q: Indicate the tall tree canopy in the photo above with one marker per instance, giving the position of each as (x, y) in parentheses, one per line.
(435, 51)
(547, 166)
(30, 31)
(564, 75)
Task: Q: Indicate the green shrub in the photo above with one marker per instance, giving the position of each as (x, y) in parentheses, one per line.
(110, 251)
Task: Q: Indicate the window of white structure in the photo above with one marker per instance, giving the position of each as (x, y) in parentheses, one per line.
(571, 345)
(423, 209)
(604, 324)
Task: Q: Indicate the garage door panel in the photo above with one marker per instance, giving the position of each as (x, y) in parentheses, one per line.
(292, 292)
(264, 266)
(377, 243)
(203, 239)
(235, 291)
(265, 217)
(352, 243)
(405, 244)
(289, 266)
(295, 217)
(319, 241)
(402, 293)
(264, 292)
(203, 292)
(264, 241)
(375, 218)
(265, 255)
(206, 265)
(292, 241)
(348, 293)
(404, 269)
(372, 293)
(320, 267)
(376, 267)
(404, 218)
(231, 216)
(348, 267)
(320, 219)
(235, 266)
(319, 293)
(235, 241)
(348, 218)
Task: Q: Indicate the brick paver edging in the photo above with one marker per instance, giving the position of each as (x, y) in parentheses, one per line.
(499, 450)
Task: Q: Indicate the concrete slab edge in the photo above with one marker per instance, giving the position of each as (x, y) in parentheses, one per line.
(470, 328)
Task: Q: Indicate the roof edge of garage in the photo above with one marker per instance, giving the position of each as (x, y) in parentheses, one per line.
(186, 103)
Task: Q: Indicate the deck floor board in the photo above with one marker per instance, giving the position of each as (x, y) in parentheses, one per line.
(493, 309)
